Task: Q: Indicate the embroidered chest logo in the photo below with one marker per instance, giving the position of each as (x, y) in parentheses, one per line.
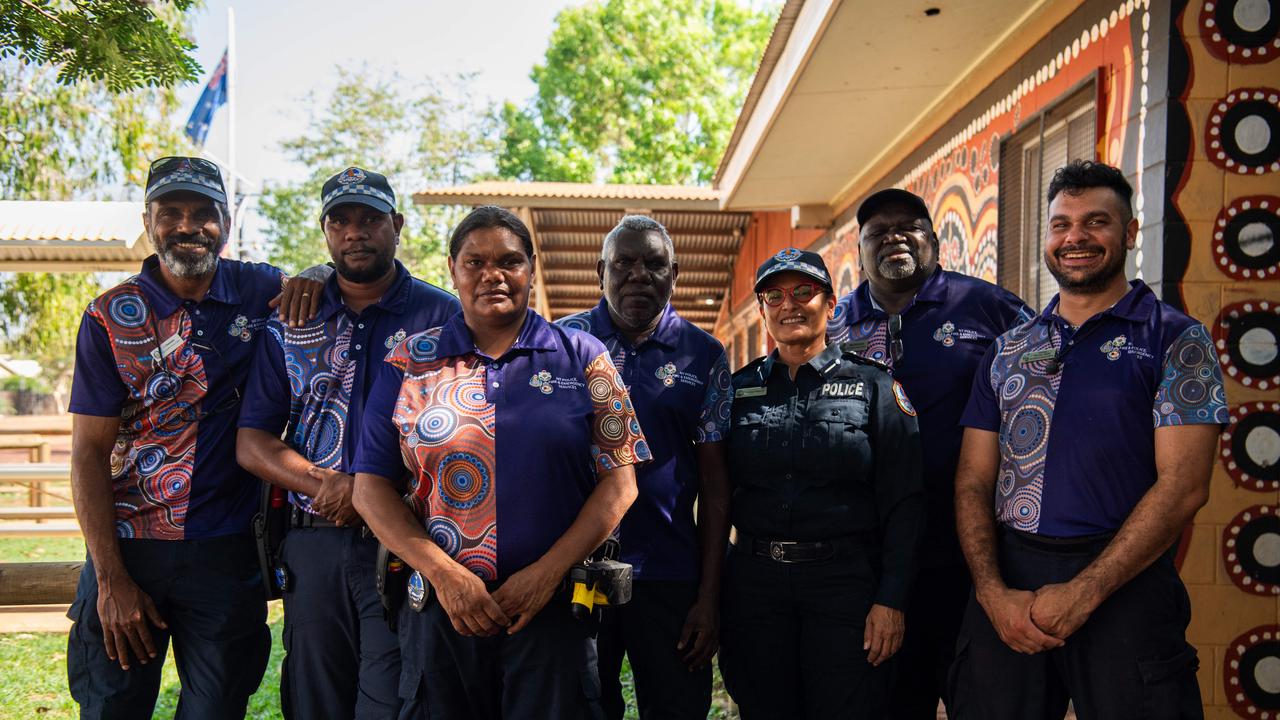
(542, 381)
(946, 334)
(1120, 345)
(392, 340)
(667, 374)
(240, 327)
(1111, 348)
(844, 389)
(546, 384)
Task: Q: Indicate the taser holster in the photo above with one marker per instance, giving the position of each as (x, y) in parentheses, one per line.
(392, 574)
(269, 528)
(599, 581)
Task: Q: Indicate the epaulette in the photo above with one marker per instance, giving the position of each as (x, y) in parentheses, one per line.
(751, 367)
(848, 353)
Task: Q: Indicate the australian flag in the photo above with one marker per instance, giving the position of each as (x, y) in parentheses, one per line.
(213, 97)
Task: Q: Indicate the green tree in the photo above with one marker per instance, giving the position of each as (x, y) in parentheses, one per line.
(64, 141)
(431, 134)
(640, 91)
(123, 44)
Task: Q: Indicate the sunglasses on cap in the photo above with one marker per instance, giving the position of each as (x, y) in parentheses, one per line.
(173, 162)
(802, 293)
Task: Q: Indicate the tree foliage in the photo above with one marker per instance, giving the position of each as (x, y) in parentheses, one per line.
(123, 44)
(640, 91)
(70, 141)
(430, 134)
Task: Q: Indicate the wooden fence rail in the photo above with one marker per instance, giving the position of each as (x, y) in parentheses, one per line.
(38, 583)
(34, 476)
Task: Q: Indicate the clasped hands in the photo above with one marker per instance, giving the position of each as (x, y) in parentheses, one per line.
(333, 501)
(1031, 622)
(474, 611)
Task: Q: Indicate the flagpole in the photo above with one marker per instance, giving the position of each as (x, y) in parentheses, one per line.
(233, 243)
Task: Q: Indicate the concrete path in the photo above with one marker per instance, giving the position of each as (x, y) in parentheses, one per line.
(34, 618)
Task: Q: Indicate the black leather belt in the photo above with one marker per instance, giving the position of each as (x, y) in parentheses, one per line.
(785, 551)
(300, 518)
(788, 551)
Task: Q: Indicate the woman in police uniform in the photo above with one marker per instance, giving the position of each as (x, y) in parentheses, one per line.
(828, 505)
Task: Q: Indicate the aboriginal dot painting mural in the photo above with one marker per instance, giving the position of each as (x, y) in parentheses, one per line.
(1222, 263)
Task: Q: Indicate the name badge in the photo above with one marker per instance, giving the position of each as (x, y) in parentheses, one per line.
(857, 346)
(167, 347)
(750, 392)
(1038, 355)
(843, 389)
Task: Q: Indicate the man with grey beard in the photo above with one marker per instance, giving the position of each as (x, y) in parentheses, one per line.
(161, 360)
(931, 327)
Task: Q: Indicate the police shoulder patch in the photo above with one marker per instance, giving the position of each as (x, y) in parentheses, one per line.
(900, 396)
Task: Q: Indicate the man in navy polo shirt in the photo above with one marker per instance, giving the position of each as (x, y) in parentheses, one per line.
(165, 511)
(678, 377)
(1091, 430)
(310, 383)
(931, 327)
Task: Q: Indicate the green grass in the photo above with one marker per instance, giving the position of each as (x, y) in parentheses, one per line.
(721, 707)
(33, 679)
(58, 549)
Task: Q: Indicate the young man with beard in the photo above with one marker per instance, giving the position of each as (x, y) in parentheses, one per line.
(931, 327)
(165, 510)
(678, 377)
(310, 383)
(1091, 430)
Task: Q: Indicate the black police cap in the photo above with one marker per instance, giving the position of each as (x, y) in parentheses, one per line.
(794, 260)
(356, 185)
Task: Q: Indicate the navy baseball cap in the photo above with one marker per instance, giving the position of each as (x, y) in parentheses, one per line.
(891, 196)
(192, 174)
(356, 185)
(794, 260)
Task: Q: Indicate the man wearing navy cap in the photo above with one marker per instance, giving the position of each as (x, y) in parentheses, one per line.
(310, 383)
(931, 327)
(1091, 431)
(678, 378)
(161, 361)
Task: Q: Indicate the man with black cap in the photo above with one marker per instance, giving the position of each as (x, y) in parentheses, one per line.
(931, 327)
(310, 383)
(161, 361)
(824, 453)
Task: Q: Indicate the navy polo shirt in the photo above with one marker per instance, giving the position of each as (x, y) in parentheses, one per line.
(946, 330)
(501, 453)
(1077, 446)
(172, 370)
(678, 379)
(311, 382)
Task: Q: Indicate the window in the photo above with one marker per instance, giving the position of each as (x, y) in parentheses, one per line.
(1028, 159)
(753, 340)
